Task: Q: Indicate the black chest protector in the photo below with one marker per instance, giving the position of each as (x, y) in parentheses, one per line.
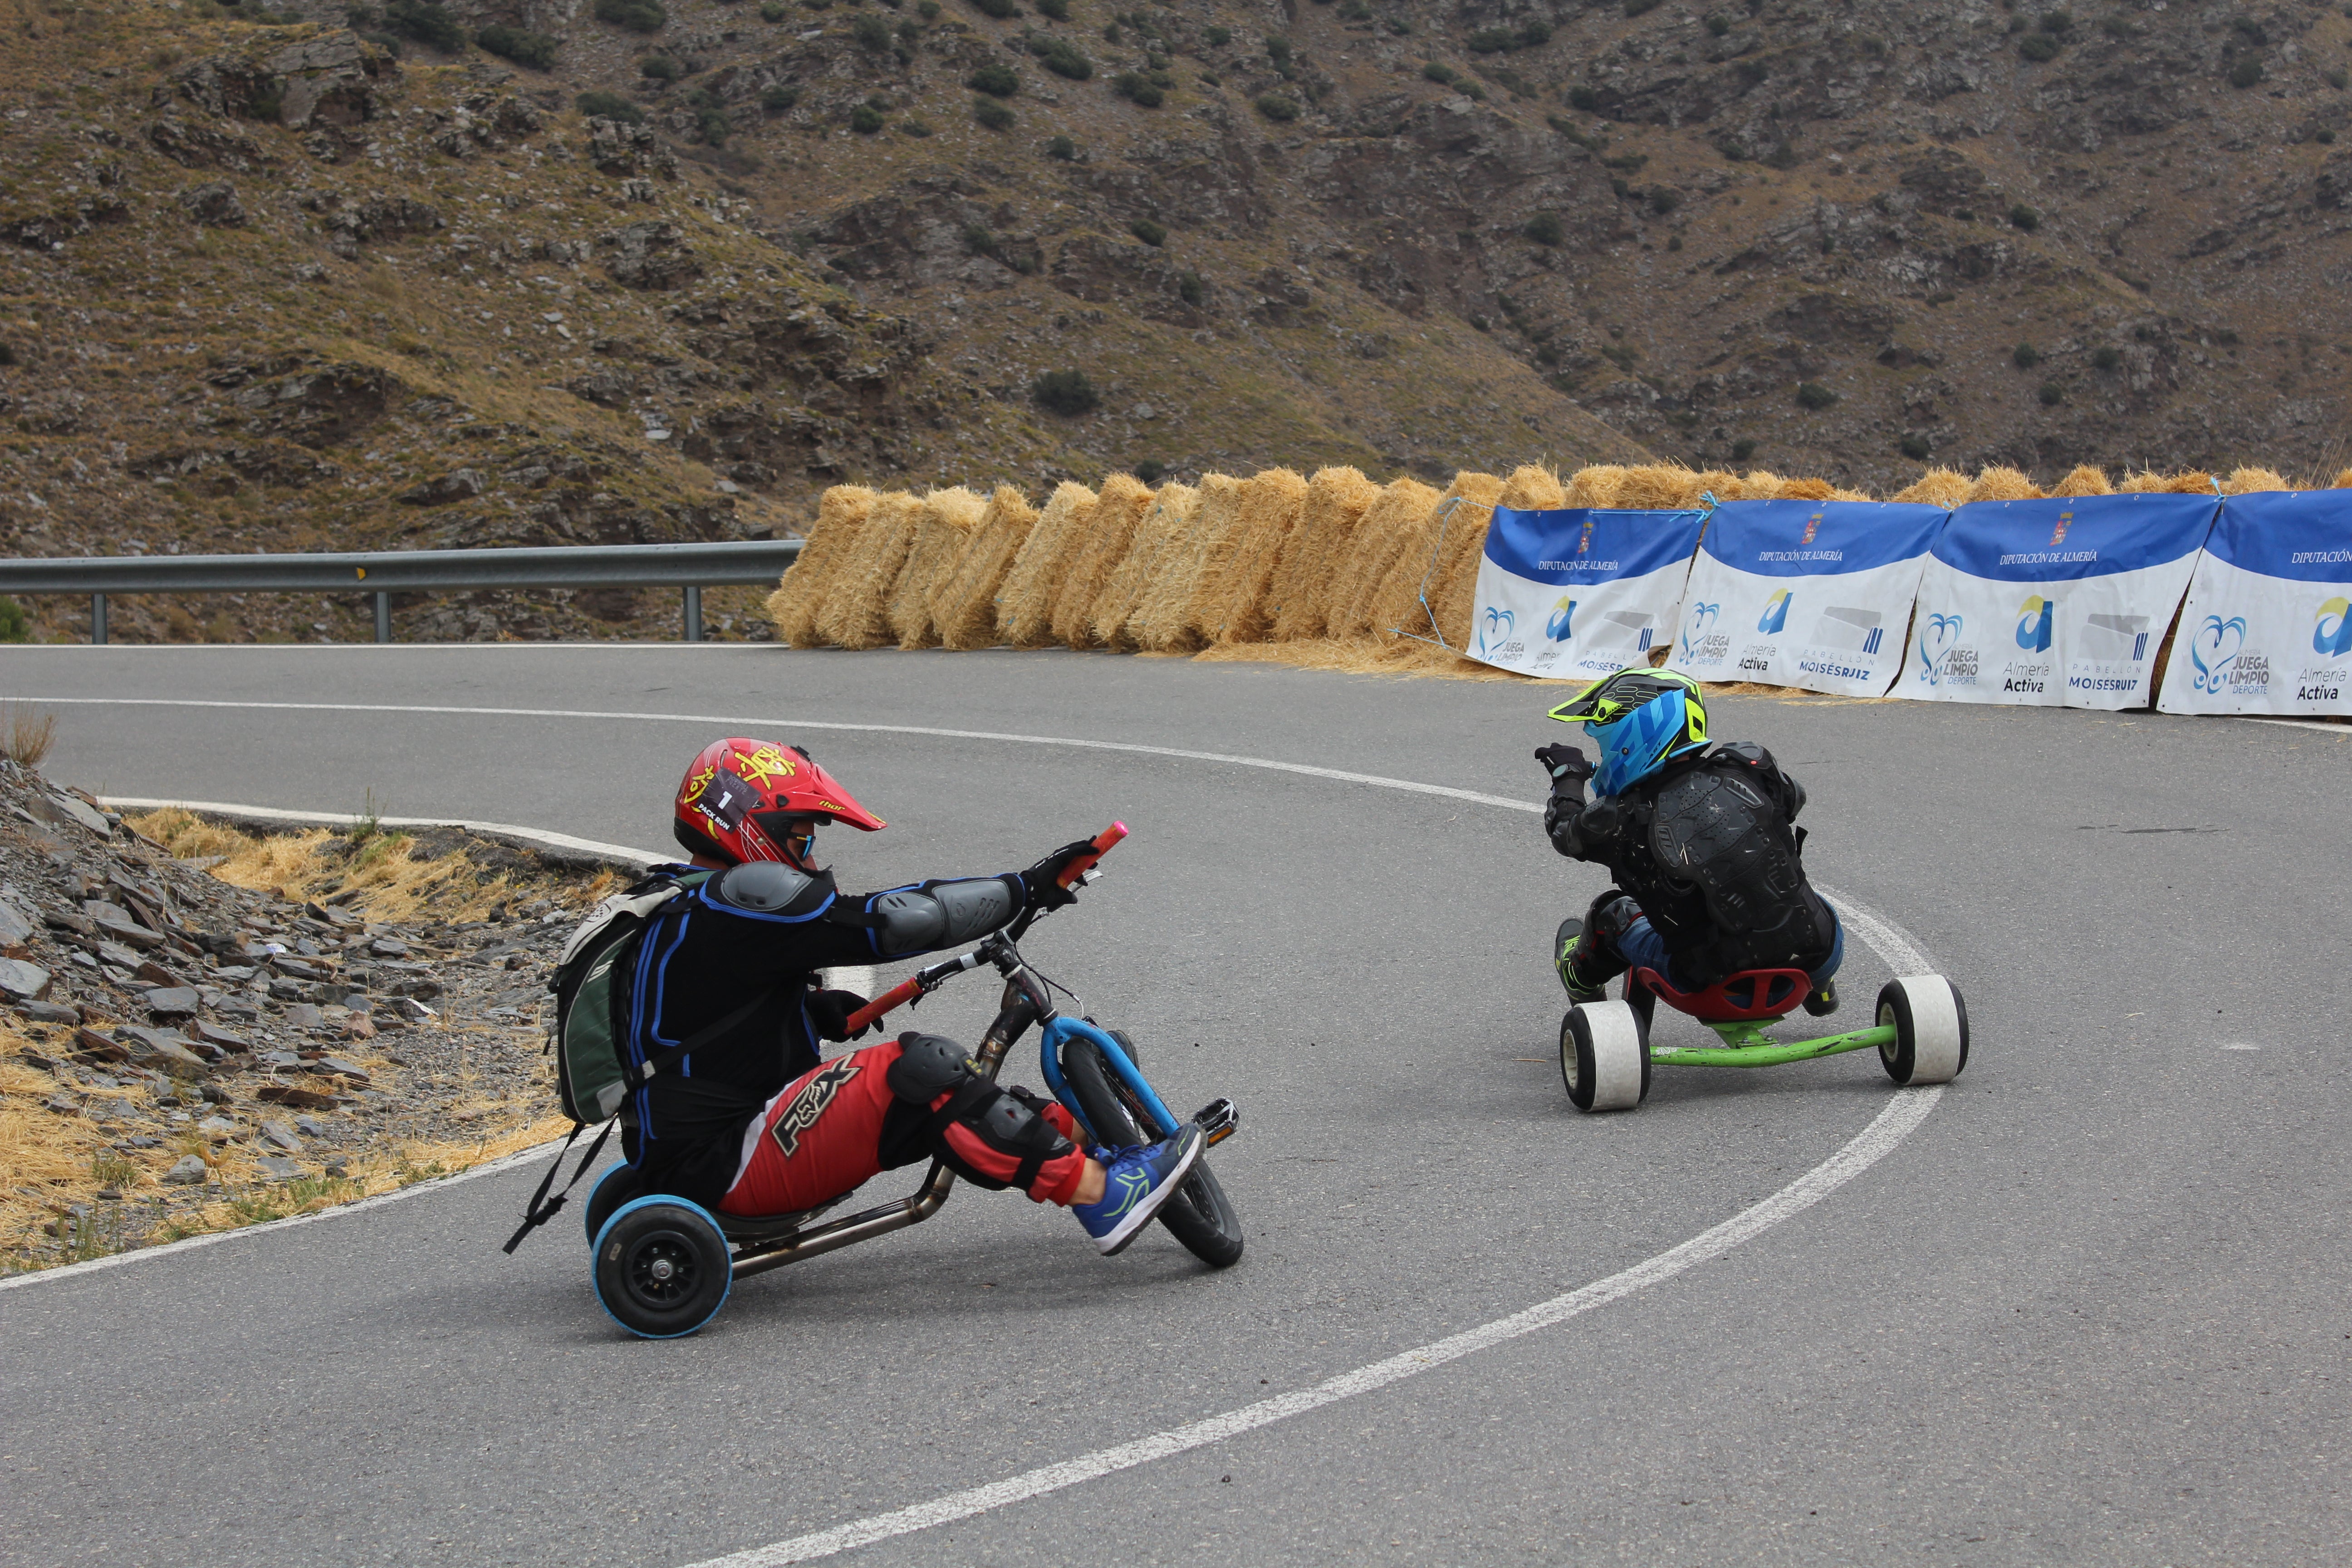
(1721, 842)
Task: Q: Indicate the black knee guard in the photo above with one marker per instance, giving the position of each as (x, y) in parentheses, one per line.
(1599, 959)
(1006, 1121)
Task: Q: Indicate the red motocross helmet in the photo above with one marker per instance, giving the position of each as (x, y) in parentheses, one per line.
(740, 797)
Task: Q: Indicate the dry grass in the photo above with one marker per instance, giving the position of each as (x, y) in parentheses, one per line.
(1272, 502)
(27, 733)
(1024, 609)
(856, 611)
(1092, 562)
(963, 606)
(1117, 613)
(796, 603)
(1319, 548)
(945, 522)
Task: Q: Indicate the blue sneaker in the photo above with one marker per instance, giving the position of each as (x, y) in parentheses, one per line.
(1137, 1182)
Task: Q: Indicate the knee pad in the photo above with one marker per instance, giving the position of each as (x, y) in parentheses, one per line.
(928, 1066)
(1612, 914)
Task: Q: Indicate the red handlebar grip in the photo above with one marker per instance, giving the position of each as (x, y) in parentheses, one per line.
(1085, 863)
(905, 991)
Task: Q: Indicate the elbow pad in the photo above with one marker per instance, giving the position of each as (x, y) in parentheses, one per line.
(943, 914)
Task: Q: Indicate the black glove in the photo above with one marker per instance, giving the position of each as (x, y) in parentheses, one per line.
(1041, 881)
(1564, 763)
(830, 1011)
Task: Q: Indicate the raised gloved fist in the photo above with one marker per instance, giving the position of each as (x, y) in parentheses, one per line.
(1564, 762)
(1041, 882)
(830, 1011)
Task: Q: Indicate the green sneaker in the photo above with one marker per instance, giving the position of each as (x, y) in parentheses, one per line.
(1571, 932)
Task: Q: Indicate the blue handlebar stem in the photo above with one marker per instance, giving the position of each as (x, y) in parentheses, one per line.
(1060, 1029)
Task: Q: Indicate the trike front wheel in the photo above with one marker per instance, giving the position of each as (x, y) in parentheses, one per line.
(1197, 1213)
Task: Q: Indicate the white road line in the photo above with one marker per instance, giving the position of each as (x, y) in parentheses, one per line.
(1906, 1111)
(2341, 731)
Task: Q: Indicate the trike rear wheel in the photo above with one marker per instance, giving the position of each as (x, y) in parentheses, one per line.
(1197, 1213)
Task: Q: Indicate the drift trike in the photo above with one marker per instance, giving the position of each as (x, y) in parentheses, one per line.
(663, 1266)
(1606, 1054)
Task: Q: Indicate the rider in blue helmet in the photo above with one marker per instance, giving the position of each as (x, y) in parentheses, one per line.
(1699, 840)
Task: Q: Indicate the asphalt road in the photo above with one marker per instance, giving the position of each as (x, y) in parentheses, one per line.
(2092, 1310)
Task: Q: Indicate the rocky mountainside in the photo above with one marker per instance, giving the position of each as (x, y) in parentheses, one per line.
(319, 278)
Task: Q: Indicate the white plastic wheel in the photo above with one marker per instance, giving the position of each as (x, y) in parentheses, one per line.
(1931, 1029)
(1604, 1056)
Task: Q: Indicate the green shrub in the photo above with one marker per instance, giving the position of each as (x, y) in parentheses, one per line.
(779, 99)
(1534, 36)
(1915, 448)
(14, 624)
(1063, 148)
(1435, 71)
(1059, 10)
(993, 115)
(916, 126)
(2105, 359)
(1000, 9)
(426, 23)
(865, 119)
(1276, 108)
(1355, 11)
(1138, 89)
(1718, 23)
(2250, 29)
(871, 32)
(7, 354)
(771, 12)
(1151, 233)
(1491, 41)
(1111, 34)
(1742, 450)
(2025, 356)
(660, 67)
(2325, 138)
(1544, 228)
(2246, 72)
(1640, 7)
(1064, 392)
(1583, 97)
(1216, 37)
(637, 15)
(710, 116)
(929, 10)
(534, 50)
(2057, 24)
(1664, 199)
(2021, 217)
(1062, 57)
(2052, 394)
(1813, 394)
(1150, 471)
(602, 105)
(994, 79)
(1191, 289)
(2340, 79)
(2038, 46)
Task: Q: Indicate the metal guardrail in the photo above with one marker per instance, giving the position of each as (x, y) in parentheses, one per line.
(384, 573)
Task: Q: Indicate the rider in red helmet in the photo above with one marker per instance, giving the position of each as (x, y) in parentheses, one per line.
(751, 1122)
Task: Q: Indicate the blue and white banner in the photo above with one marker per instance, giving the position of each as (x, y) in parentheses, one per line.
(1576, 595)
(2057, 603)
(2268, 628)
(1804, 593)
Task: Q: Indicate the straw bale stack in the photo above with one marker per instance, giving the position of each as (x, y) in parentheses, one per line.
(1319, 550)
(963, 598)
(1093, 560)
(2152, 481)
(2003, 484)
(2246, 481)
(796, 603)
(1595, 486)
(1024, 606)
(1389, 527)
(1664, 487)
(1937, 486)
(1119, 622)
(1174, 614)
(1453, 583)
(857, 612)
(946, 519)
(1272, 502)
(1810, 490)
(2082, 480)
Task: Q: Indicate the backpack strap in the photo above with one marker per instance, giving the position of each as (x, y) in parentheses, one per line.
(544, 1208)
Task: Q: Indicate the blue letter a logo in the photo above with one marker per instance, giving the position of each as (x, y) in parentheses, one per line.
(2033, 624)
(1775, 614)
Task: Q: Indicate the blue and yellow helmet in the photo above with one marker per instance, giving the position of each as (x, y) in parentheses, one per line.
(1640, 718)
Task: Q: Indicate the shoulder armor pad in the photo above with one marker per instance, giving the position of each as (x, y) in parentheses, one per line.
(770, 887)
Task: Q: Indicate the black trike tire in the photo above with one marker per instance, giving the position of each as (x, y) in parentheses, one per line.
(1931, 1029)
(618, 1184)
(1604, 1056)
(662, 1267)
(1197, 1213)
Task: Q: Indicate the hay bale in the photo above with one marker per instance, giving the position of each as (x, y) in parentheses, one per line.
(1454, 586)
(1530, 487)
(1390, 525)
(1312, 561)
(2146, 481)
(2343, 480)
(1759, 484)
(1840, 492)
(1094, 558)
(1271, 503)
(1171, 618)
(1163, 532)
(857, 612)
(1662, 487)
(1595, 484)
(800, 598)
(2189, 482)
(946, 519)
(2082, 480)
(1937, 486)
(2003, 484)
(1807, 490)
(2246, 481)
(963, 602)
(1024, 606)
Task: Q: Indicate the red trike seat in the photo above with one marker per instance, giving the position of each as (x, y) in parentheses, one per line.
(1754, 994)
